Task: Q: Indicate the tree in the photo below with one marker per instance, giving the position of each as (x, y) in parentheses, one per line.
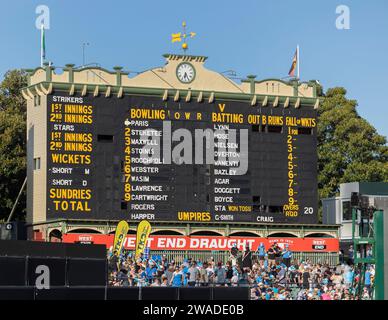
(349, 148)
(12, 143)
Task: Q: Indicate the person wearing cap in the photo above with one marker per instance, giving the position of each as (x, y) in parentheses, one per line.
(286, 256)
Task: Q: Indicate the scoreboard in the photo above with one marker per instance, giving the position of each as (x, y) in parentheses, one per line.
(138, 157)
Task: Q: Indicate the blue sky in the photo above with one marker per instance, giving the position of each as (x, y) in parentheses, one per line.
(251, 37)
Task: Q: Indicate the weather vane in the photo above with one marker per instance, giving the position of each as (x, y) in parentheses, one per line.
(177, 37)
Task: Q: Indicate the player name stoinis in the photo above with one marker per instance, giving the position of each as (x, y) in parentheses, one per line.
(71, 158)
(194, 216)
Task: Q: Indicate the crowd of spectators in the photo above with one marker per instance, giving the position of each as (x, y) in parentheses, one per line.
(271, 275)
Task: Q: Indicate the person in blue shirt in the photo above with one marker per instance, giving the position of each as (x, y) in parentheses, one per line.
(142, 280)
(287, 255)
(348, 277)
(268, 294)
(150, 271)
(261, 251)
(266, 261)
(368, 280)
(177, 278)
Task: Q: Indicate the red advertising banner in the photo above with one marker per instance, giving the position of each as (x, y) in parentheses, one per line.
(210, 243)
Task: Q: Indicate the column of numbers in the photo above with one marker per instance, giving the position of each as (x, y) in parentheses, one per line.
(127, 165)
(292, 207)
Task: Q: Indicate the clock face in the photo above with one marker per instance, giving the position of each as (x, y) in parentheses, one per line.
(185, 72)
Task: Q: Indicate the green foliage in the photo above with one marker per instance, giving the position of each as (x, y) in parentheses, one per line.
(349, 148)
(12, 143)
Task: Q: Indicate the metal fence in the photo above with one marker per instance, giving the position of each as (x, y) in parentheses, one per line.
(331, 258)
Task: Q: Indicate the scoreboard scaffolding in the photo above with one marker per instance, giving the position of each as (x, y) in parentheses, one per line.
(177, 143)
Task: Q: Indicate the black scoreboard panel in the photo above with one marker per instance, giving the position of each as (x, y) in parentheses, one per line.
(96, 167)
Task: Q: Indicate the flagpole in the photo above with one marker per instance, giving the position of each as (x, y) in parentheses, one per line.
(41, 45)
(298, 61)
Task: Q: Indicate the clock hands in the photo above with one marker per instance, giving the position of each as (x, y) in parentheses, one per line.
(185, 73)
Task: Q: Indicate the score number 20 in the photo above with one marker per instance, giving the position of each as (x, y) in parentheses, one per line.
(308, 210)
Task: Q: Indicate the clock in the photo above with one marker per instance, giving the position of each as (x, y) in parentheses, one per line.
(185, 72)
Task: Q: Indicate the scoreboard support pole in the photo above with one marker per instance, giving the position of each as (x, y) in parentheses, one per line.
(17, 200)
(381, 237)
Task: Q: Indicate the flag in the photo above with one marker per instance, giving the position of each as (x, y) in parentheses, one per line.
(120, 235)
(42, 46)
(143, 231)
(291, 73)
